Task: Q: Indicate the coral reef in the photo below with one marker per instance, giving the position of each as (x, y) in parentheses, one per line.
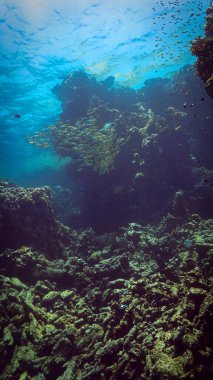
(77, 90)
(128, 160)
(131, 300)
(27, 218)
(127, 294)
(202, 47)
(136, 304)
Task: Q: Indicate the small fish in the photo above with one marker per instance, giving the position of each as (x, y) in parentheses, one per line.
(17, 116)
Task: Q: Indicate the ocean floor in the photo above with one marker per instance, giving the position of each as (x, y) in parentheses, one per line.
(136, 304)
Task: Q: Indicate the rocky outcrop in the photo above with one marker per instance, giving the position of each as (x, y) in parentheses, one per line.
(27, 218)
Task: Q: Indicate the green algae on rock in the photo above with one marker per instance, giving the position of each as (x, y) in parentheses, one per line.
(129, 306)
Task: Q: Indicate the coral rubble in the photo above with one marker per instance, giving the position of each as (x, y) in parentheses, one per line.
(136, 304)
(202, 47)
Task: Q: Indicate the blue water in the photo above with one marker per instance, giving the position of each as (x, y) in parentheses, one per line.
(43, 40)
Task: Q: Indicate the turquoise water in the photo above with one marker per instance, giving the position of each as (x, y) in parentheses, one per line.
(42, 41)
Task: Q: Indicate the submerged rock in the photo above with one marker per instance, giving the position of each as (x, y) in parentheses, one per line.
(50, 298)
(27, 218)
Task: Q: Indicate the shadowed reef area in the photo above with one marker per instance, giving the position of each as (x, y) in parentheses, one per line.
(136, 154)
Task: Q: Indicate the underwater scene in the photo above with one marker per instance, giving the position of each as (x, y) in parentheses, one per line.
(106, 190)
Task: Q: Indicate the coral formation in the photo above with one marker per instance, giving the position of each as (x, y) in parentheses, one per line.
(202, 47)
(27, 218)
(128, 160)
(136, 304)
